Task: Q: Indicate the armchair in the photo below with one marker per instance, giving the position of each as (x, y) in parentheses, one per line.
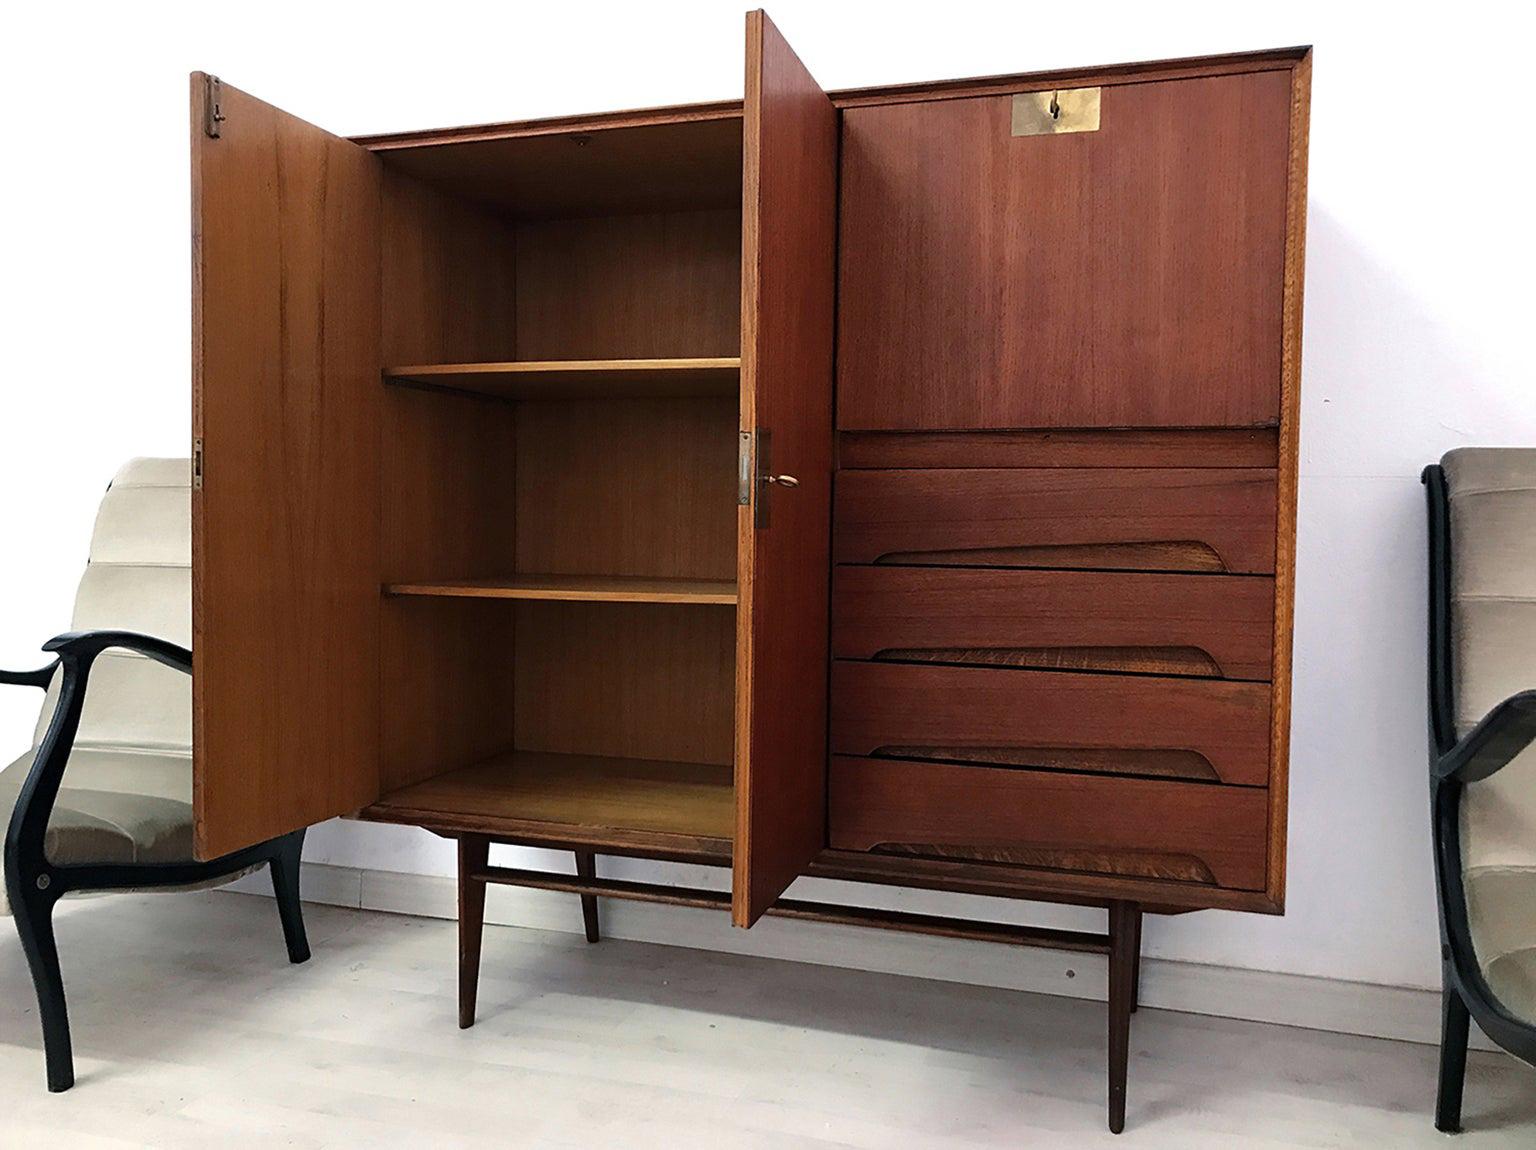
(1482, 763)
(103, 799)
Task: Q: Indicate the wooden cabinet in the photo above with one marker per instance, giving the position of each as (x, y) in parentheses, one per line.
(529, 503)
(894, 485)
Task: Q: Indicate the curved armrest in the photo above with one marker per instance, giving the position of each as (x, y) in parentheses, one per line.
(1491, 745)
(77, 651)
(86, 645)
(38, 678)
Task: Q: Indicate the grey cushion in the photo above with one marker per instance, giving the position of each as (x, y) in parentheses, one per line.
(127, 792)
(1493, 630)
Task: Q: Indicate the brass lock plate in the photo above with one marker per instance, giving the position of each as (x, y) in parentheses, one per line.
(1056, 111)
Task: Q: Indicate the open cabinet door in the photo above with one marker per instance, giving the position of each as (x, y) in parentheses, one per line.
(285, 501)
(788, 243)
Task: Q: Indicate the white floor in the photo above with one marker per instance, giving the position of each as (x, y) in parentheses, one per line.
(192, 1031)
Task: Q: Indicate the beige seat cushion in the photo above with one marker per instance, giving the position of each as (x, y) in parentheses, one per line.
(127, 791)
(1493, 624)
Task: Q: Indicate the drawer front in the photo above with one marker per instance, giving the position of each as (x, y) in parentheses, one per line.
(1211, 520)
(1124, 724)
(1208, 626)
(1145, 828)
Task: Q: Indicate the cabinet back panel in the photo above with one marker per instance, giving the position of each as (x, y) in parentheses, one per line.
(630, 287)
(1126, 277)
(632, 680)
(449, 278)
(627, 487)
(448, 484)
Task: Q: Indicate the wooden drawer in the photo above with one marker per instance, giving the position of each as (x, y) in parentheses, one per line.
(1147, 828)
(1126, 724)
(1125, 518)
(1213, 626)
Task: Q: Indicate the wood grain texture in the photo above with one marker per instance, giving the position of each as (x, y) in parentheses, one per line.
(593, 168)
(448, 482)
(643, 487)
(1129, 277)
(882, 708)
(1287, 475)
(579, 379)
(1218, 519)
(576, 588)
(1152, 447)
(896, 612)
(787, 289)
(587, 799)
(449, 277)
(876, 803)
(285, 529)
(1035, 884)
(630, 287)
(636, 680)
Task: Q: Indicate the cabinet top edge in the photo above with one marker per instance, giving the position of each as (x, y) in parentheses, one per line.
(1273, 59)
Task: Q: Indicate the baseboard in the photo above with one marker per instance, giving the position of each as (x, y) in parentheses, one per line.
(1401, 1013)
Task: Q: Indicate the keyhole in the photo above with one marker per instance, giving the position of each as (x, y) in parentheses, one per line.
(1055, 108)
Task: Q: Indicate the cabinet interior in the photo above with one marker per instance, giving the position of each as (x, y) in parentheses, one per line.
(561, 340)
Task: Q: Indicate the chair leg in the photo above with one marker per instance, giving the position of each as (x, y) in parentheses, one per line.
(1454, 1026)
(284, 865)
(586, 867)
(1136, 960)
(474, 854)
(1122, 966)
(34, 923)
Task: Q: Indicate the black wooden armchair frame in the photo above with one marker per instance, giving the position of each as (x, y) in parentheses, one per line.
(34, 884)
(1453, 764)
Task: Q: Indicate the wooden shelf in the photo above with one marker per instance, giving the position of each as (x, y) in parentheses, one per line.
(579, 378)
(588, 588)
(687, 808)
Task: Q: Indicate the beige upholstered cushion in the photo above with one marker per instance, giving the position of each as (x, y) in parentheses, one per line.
(127, 792)
(1493, 632)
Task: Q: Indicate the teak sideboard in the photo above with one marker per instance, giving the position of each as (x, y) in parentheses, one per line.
(894, 485)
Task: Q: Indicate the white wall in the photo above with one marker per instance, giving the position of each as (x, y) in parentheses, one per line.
(1418, 329)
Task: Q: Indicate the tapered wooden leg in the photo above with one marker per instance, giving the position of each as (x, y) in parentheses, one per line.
(586, 867)
(1136, 960)
(1454, 1026)
(474, 853)
(1122, 970)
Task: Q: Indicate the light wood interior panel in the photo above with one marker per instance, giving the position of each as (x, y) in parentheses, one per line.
(449, 278)
(630, 287)
(627, 487)
(648, 681)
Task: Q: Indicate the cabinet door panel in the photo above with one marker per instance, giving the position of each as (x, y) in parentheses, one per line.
(1125, 277)
(788, 237)
(285, 524)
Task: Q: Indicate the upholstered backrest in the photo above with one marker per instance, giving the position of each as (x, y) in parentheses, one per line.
(1493, 576)
(1493, 632)
(139, 578)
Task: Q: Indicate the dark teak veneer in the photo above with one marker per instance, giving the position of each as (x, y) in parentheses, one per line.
(894, 485)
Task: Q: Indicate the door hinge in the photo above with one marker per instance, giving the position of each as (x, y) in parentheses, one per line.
(213, 112)
(745, 469)
(197, 465)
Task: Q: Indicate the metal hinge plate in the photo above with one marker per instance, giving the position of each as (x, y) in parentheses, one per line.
(213, 112)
